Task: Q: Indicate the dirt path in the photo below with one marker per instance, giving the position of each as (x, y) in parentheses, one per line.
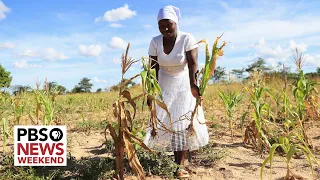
(238, 163)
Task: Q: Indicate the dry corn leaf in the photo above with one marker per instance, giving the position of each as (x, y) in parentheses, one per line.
(153, 121)
(220, 52)
(128, 117)
(128, 80)
(164, 107)
(202, 41)
(133, 158)
(127, 95)
(112, 133)
(138, 97)
(124, 124)
(139, 142)
(160, 104)
(115, 109)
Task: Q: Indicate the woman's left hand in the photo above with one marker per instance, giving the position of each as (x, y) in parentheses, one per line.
(196, 93)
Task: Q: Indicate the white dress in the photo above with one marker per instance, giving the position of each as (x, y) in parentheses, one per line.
(174, 81)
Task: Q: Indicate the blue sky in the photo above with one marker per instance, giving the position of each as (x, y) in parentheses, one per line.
(65, 41)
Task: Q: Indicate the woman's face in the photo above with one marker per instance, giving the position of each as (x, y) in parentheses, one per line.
(168, 28)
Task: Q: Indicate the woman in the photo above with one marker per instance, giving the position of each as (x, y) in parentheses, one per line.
(176, 56)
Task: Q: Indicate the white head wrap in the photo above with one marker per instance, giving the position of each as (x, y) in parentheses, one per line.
(169, 12)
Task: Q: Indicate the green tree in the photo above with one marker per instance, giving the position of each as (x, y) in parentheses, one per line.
(61, 89)
(238, 73)
(54, 86)
(51, 86)
(318, 70)
(77, 89)
(83, 86)
(219, 72)
(260, 64)
(5, 78)
(99, 90)
(16, 89)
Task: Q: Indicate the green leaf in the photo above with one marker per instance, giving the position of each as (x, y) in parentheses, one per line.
(272, 150)
(291, 152)
(143, 75)
(242, 123)
(263, 166)
(309, 161)
(153, 72)
(260, 108)
(260, 92)
(307, 150)
(269, 158)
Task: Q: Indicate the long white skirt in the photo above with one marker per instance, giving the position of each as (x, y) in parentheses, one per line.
(180, 102)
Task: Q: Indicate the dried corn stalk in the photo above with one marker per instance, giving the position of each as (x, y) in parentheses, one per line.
(153, 92)
(208, 71)
(122, 135)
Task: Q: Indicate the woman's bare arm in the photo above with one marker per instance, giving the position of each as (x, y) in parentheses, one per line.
(192, 59)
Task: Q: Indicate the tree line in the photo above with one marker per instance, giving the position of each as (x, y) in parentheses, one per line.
(5, 83)
(85, 85)
(220, 73)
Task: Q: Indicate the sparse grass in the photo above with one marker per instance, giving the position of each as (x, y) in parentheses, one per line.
(89, 125)
(8, 171)
(90, 112)
(158, 164)
(207, 156)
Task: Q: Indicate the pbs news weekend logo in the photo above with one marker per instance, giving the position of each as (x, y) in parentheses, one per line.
(40, 146)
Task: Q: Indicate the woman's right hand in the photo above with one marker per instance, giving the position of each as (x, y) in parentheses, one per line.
(196, 93)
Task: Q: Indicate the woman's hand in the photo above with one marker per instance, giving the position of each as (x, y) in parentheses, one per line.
(196, 93)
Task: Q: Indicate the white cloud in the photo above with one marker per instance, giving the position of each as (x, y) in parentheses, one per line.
(116, 25)
(117, 43)
(275, 54)
(293, 45)
(118, 14)
(29, 53)
(48, 54)
(147, 26)
(284, 21)
(279, 53)
(97, 80)
(24, 64)
(51, 54)
(6, 45)
(116, 61)
(312, 60)
(247, 32)
(3, 10)
(20, 64)
(92, 50)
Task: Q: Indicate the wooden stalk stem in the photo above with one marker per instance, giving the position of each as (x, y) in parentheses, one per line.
(191, 126)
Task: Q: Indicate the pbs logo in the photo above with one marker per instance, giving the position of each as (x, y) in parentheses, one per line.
(56, 134)
(40, 146)
(42, 134)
